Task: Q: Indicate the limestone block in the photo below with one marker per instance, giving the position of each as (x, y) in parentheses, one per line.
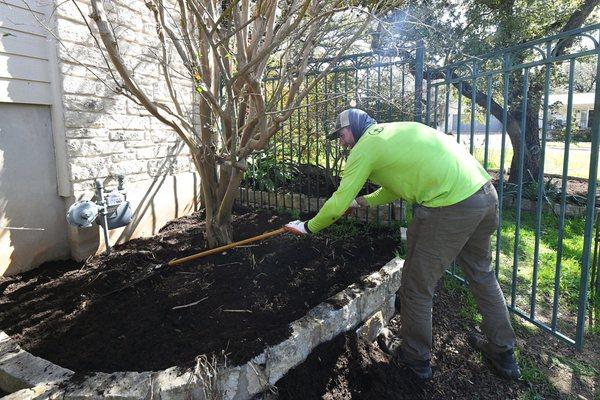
(389, 308)
(93, 147)
(126, 122)
(87, 103)
(68, 10)
(7, 345)
(126, 135)
(291, 352)
(241, 383)
(129, 385)
(168, 165)
(155, 151)
(136, 144)
(137, 177)
(256, 379)
(90, 388)
(371, 328)
(87, 55)
(95, 73)
(124, 16)
(118, 385)
(99, 133)
(229, 382)
(85, 188)
(128, 167)
(82, 86)
(176, 384)
(89, 168)
(160, 136)
(74, 31)
(20, 370)
(80, 119)
(146, 68)
(39, 392)
(126, 155)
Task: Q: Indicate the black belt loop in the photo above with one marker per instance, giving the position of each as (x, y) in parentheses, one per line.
(486, 188)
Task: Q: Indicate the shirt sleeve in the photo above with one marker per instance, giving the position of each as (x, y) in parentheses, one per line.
(358, 169)
(379, 197)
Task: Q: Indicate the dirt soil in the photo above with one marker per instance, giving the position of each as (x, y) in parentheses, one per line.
(233, 304)
(349, 368)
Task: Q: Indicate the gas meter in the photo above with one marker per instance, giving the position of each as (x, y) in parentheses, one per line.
(111, 210)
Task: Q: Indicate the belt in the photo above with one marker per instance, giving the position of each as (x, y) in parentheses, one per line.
(486, 188)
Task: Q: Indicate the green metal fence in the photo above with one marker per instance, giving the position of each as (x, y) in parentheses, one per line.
(517, 86)
(301, 161)
(543, 245)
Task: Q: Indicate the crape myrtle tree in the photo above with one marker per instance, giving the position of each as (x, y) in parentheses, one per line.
(454, 30)
(226, 48)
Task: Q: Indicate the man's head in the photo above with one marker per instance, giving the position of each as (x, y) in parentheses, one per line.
(349, 126)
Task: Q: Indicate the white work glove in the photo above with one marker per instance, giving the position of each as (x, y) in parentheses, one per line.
(296, 227)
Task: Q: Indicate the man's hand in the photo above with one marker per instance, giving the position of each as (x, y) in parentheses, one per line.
(362, 203)
(357, 203)
(296, 227)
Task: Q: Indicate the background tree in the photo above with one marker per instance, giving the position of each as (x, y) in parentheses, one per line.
(457, 30)
(226, 48)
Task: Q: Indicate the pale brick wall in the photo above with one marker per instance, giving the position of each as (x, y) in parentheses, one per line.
(108, 134)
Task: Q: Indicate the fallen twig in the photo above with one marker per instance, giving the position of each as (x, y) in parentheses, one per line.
(238, 311)
(21, 228)
(189, 304)
(231, 263)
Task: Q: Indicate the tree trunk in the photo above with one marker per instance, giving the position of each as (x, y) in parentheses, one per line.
(219, 206)
(531, 162)
(218, 234)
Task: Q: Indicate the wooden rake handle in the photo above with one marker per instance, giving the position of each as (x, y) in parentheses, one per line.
(267, 235)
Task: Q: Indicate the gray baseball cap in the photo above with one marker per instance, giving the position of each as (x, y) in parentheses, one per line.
(341, 121)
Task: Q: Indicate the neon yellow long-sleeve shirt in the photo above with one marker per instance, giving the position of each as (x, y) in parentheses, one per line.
(409, 160)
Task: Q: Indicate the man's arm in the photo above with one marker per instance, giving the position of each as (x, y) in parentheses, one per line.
(379, 197)
(358, 169)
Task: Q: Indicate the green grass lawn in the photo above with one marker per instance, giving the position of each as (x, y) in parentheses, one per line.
(579, 158)
(570, 265)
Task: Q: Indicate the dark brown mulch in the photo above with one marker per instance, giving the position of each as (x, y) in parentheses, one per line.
(246, 298)
(348, 368)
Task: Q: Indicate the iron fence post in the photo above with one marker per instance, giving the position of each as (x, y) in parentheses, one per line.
(589, 216)
(419, 64)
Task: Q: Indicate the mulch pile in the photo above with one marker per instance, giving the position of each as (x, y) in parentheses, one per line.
(231, 305)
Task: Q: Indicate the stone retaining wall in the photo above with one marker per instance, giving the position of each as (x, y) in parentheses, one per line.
(30, 377)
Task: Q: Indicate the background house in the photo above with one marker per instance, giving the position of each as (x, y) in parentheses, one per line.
(583, 112)
(61, 128)
(583, 108)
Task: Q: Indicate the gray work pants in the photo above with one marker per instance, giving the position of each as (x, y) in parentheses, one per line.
(436, 237)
